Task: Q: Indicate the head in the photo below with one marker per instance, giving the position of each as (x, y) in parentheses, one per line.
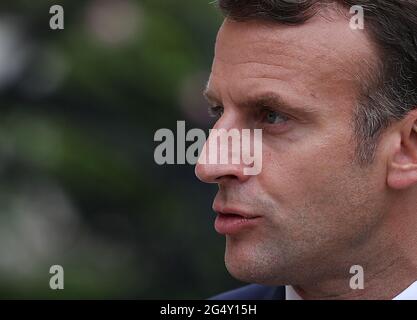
(337, 107)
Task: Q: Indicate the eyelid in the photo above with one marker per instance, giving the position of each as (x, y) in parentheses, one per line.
(214, 111)
(278, 111)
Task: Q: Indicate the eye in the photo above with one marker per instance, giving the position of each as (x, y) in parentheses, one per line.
(274, 117)
(216, 112)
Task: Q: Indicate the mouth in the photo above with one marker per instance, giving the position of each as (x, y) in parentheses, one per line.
(229, 223)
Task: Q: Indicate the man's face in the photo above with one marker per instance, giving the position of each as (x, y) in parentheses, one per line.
(316, 206)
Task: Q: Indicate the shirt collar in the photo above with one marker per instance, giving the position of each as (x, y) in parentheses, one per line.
(408, 294)
(291, 294)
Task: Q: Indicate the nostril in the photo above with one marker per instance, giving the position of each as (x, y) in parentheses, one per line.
(226, 177)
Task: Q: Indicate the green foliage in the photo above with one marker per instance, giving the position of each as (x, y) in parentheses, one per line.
(79, 186)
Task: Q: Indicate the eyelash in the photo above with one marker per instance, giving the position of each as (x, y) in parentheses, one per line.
(217, 111)
(266, 110)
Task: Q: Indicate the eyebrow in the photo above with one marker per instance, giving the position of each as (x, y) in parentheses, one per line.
(210, 96)
(265, 99)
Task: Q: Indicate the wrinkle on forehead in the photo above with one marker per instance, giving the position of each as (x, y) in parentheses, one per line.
(320, 44)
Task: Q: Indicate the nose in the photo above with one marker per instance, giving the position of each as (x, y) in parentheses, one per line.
(222, 142)
(216, 173)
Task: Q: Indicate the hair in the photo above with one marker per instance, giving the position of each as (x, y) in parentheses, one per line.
(390, 92)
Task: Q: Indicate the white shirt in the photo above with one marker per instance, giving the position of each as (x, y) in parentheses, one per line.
(408, 294)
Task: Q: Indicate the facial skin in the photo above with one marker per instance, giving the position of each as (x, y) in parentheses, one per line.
(320, 212)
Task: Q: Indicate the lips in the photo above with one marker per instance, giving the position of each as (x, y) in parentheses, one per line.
(229, 221)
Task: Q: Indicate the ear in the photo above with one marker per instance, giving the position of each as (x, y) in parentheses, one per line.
(402, 166)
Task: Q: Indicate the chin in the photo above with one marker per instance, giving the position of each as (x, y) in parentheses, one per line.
(248, 264)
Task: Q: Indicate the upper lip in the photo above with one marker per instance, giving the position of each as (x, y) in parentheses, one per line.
(225, 210)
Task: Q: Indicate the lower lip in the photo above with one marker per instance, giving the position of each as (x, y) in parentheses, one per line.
(231, 224)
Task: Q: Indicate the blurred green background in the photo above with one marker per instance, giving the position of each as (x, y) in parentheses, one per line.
(79, 185)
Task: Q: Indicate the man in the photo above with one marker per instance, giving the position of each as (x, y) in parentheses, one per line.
(338, 186)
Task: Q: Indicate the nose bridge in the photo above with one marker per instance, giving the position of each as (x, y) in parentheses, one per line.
(222, 153)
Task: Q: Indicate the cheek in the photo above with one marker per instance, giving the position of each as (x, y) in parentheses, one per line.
(312, 192)
(316, 190)
(299, 170)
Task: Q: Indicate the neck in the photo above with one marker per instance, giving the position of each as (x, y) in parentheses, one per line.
(388, 259)
(383, 285)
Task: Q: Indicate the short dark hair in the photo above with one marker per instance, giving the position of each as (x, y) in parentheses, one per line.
(391, 92)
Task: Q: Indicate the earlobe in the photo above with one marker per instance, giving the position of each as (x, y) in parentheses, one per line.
(402, 170)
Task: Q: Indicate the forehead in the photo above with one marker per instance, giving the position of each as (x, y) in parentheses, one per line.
(323, 54)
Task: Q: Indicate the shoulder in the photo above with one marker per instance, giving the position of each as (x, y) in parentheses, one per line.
(252, 292)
